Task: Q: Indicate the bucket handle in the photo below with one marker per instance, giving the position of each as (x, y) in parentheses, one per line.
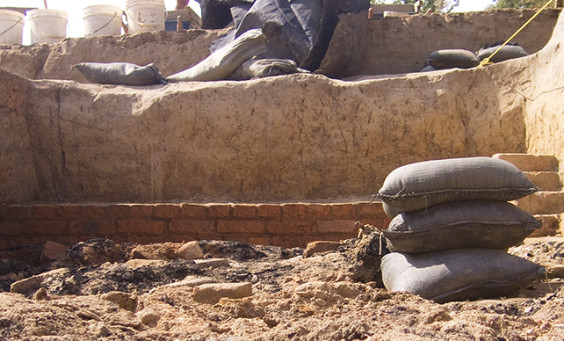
(9, 28)
(106, 24)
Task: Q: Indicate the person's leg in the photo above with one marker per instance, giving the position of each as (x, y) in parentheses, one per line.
(181, 4)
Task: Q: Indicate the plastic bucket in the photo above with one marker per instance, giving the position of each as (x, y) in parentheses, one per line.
(11, 27)
(47, 25)
(145, 15)
(101, 20)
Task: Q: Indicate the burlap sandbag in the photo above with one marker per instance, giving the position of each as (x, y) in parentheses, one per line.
(460, 224)
(452, 58)
(505, 53)
(462, 274)
(222, 62)
(421, 185)
(120, 73)
(259, 68)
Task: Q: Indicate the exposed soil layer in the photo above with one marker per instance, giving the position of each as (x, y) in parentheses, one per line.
(101, 290)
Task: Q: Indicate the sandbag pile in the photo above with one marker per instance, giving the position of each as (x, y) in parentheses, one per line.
(451, 58)
(451, 227)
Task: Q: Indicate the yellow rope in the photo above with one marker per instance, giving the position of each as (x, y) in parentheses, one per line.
(486, 61)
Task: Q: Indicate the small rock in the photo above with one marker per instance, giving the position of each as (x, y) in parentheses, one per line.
(149, 317)
(190, 250)
(41, 294)
(320, 246)
(191, 281)
(212, 263)
(137, 263)
(556, 271)
(26, 285)
(213, 292)
(52, 251)
(32, 284)
(122, 299)
(154, 251)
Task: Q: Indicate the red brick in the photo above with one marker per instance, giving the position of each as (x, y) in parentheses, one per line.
(149, 239)
(118, 211)
(342, 211)
(269, 211)
(4, 244)
(19, 212)
(166, 211)
(289, 242)
(93, 212)
(218, 210)
(259, 240)
(11, 227)
(19, 241)
(191, 226)
(69, 211)
(336, 226)
(141, 226)
(48, 227)
(369, 209)
(193, 211)
(183, 237)
(93, 227)
(318, 211)
(243, 211)
(240, 226)
(141, 211)
(381, 223)
(276, 227)
(45, 212)
(294, 211)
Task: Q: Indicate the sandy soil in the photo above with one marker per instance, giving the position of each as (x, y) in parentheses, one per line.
(101, 290)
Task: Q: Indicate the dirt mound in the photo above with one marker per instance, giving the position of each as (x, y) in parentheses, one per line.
(97, 289)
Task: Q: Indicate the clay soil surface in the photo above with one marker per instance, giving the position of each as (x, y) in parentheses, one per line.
(103, 290)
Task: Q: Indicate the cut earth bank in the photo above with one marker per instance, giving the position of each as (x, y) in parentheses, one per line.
(290, 138)
(302, 137)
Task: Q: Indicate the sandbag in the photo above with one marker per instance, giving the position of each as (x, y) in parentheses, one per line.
(460, 224)
(120, 73)
(421, 185)
(452, 58)
(461, 274)
(221, 63)
(259, 68)
(505, 53)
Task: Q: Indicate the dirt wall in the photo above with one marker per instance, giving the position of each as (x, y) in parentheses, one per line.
(396, 45)
(289, 138)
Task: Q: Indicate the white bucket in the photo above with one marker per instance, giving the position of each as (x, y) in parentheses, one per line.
(11, 27)
(47, 25)
(145, 15)
(101, 20)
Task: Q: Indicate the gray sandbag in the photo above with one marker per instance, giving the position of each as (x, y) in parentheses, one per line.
(120, 73)
(421, 185)
(461, 274)
(224, 61)
(458, 225)
(452, 58)
(259, 68)
(505, 53)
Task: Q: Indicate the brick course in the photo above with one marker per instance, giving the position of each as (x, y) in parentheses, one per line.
(286, 225)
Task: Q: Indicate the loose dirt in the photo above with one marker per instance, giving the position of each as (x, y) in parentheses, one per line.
(103, 290)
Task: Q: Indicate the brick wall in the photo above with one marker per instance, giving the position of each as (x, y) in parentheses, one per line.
(286, 225)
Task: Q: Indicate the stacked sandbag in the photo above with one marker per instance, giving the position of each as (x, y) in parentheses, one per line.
(451, 58)
(450, 228)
